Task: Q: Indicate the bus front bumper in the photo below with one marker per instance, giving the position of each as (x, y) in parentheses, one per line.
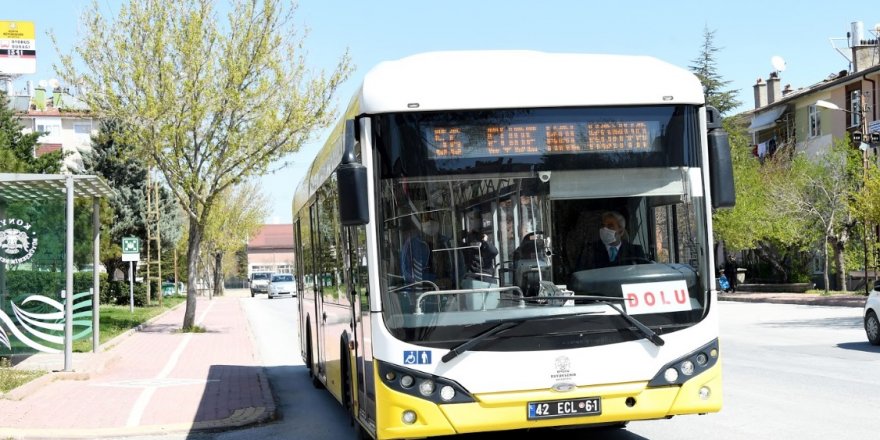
(508, 411)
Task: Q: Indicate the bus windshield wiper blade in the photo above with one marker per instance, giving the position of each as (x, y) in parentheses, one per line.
(467, 345)
(500, 327)
(608, 301)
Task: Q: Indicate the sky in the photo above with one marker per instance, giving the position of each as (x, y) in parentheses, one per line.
(748, 34)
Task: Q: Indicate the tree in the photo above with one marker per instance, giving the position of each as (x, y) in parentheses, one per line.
(17, 148)
(239, 214)
(705, 67)
(210, 103)
(127, 176)
(755, 222)
(819, 190)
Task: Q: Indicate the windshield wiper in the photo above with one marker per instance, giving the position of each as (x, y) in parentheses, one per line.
(507, 325)
(500, 327)
(470, 343)
(607, 300)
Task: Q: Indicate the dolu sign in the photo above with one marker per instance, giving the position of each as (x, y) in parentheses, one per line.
(660, 297)
(17, 242)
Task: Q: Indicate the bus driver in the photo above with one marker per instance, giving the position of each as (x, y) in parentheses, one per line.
(612, 249)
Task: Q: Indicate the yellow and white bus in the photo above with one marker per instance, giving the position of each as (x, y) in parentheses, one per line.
(449, 233)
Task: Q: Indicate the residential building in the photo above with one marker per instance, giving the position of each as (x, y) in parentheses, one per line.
(806, 118)
(64, 120)
(271, 249)
(810, 119)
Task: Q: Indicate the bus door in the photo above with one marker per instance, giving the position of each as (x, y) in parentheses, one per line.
(317, 280)
(360, 318)
(299, 271)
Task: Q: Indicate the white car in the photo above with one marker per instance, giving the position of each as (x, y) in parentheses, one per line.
(282, 284)
(260, 282)
(872, 324)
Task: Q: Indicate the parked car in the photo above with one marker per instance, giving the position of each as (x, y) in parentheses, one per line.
(260, 282)
(282, 284)
(872, 324)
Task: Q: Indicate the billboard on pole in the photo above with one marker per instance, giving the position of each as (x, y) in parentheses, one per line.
(18, 48)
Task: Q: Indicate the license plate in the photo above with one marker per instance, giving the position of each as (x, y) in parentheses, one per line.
(586, 406)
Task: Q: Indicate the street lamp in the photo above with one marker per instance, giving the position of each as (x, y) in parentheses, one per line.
(864, 148)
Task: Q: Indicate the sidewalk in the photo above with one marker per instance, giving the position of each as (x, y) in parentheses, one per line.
(796, 298)
(154, 381)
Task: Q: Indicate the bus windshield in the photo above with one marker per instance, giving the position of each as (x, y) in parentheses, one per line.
(471, 236)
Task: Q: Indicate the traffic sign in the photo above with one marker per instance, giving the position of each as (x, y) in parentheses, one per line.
(131, 249)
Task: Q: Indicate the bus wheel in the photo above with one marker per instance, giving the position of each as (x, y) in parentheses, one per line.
(310, 362)
(345, 380)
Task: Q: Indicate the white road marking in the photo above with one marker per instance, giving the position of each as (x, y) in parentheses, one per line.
(140, 405)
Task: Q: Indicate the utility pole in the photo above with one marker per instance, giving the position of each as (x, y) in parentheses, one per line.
(863, 123)
(147, 222)
(159, 243)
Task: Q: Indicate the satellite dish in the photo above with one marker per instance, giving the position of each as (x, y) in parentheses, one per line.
(42, 83)
(53, 83)
(778, 63)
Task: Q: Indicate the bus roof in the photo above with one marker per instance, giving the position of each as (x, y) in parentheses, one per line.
(478, 79)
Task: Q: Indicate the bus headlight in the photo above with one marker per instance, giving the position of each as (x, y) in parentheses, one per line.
(705, 392)
(406, 381)
(426, 387)
(409, 417)
(686, 367)
(447, 393)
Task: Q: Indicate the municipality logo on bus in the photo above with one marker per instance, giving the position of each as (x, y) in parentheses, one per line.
(17, 242)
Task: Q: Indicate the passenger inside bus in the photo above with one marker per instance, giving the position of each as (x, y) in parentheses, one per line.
(613, 247)
(478, 255)
(415, 255)
(530, 265)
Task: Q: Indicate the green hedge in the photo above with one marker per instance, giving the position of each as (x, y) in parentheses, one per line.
(25, 283)
(50, 284)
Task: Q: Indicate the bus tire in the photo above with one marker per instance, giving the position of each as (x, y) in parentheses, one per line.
(345, 380)
(310, 361)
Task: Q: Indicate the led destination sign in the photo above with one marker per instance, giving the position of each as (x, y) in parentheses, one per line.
(449, 142)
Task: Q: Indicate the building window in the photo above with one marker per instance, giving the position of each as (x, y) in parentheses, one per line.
(284, 268)
(815, 126)
(82, 129)
(49, 129)
(855, 107)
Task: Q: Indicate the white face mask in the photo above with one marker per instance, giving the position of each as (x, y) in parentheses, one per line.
(607, 236)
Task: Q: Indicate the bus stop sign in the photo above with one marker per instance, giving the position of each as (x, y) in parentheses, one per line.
(131, 249)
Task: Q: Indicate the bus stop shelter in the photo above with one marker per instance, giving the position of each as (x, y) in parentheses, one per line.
(17, 246)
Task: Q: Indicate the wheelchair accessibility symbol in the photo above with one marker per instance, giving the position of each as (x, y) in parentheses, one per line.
(412, 357)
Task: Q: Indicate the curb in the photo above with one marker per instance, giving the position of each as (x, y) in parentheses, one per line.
(812, 300)
(265, 385)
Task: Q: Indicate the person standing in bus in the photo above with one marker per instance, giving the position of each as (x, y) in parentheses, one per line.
(479, 255)
(415, 257)
(612, 249)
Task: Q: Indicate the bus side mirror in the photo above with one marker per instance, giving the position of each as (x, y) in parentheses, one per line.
(721, 170)
(351, 180)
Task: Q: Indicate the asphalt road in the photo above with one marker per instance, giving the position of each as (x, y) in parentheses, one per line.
(790, 372)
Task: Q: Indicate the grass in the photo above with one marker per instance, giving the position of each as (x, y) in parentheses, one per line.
(821, 292)
(10, 378)
(116, 320)
(193, 329)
